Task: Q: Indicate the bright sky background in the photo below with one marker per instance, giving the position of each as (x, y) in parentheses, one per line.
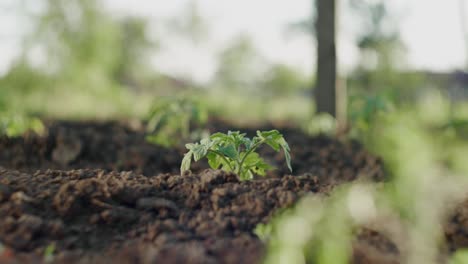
(430, 28)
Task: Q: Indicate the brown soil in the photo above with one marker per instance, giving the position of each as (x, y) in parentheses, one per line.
(100, 194)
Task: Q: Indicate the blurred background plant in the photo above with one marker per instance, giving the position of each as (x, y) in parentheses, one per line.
(178, 120)
(13, 125)
(410, 208)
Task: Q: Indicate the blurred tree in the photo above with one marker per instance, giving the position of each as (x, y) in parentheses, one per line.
(77, 38)
(76, 51)
(379, 40)
(382, 54)
(240, 65)
(190, 23)
(80, 46)
(133, 64)
(325, 93)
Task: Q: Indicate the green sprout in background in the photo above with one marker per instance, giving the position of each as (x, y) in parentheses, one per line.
(172, 119)
(13, 125)
(49, 253)
(235, 152)
(364, 110)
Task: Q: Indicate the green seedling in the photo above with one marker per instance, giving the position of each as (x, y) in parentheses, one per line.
(170, 120)
(366, 108)
(13, 125)
(235, 152)
(49, 253)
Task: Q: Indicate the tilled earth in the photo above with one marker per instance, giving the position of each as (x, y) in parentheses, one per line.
(99, 193)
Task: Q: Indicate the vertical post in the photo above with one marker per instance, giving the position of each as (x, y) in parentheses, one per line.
(325, 94)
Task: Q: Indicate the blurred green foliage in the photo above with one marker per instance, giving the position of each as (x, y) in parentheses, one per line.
(174, 120)
(460, 257)
(240, 65)
(75, 55)
(382, 55)
(424, 162)
(322, 123)
(364, 111)
(13, 125)
(190, 24)
(242, 68)
(281, 80)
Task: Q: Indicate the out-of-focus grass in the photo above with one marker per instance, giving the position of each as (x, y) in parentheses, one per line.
(118, 103)
(75, 104)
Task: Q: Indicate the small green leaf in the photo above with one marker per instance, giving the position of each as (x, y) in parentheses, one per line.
(186, 161)
(284, 145)
(213, 160)
(287, 156)
(256, 164)
(229, 151)
(246, 175)
(200, 150)
(248, 143)
(219, 137)
(190, 146)
(236, 138)
(276, 141)
(271, 138)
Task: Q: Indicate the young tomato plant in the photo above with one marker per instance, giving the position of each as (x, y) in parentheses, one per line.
(12, 124)
(171, 119)
(235, 152)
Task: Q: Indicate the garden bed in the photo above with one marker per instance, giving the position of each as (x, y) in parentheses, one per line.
(97, 192)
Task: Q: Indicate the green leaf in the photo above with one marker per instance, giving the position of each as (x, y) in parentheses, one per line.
(214, 160)
(287, 155)
(269, 134)
(256, 164)
(229, 151)
(186, 161)
(219, 137)
(199, 152)
(236, 138)
(284, 145)
(276, 141)
(246, 175)
(248, 143)
(271, 138)
(190, 146)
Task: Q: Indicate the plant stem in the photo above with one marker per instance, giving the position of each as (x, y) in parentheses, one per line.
(248, 153)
